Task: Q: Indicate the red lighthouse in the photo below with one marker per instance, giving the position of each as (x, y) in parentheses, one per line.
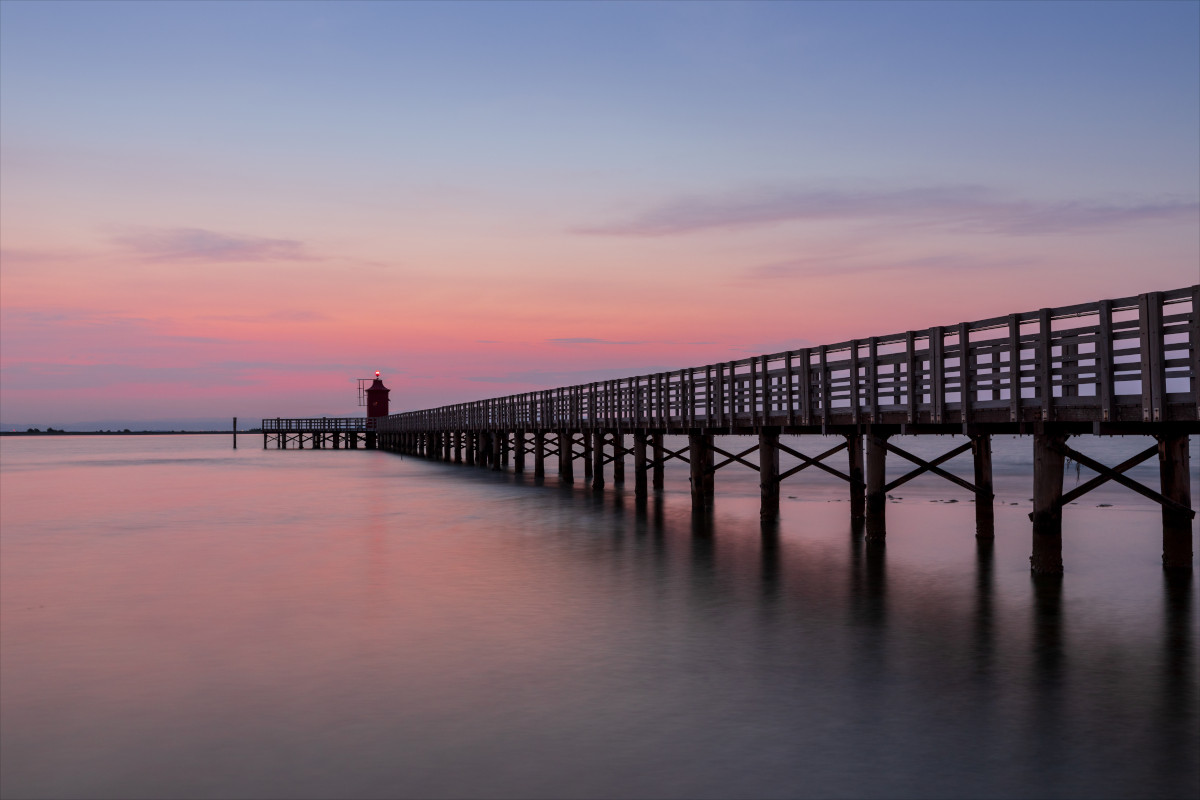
(377, 398)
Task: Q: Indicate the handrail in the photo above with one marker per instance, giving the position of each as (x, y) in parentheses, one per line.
(306, 424)
(1091, 359)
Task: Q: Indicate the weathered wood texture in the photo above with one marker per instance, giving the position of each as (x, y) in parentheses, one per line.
(1126, 360)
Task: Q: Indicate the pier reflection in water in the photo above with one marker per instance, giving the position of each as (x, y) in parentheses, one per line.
(356, 624)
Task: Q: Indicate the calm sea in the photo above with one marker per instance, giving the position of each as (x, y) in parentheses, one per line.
(184, 620)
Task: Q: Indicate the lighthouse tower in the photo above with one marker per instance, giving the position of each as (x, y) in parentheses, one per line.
(377, 398)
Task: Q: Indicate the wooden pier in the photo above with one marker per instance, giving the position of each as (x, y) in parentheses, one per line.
(1127, 366)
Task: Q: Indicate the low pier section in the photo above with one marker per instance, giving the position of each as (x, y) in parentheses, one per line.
(1126, 366)
(320, 433)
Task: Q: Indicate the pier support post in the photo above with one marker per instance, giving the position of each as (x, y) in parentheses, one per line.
(656, 440)
(518, 451)
(1047, 502)
(618, 439)
(498, 450)
(447, 446)
(471, 448)
(566, 457)
(539, 454)
(587, 457)
(1175, 484)
(701, 454)
(876, 500)
(768, 473)
(458, 447)
(985, 518)
(597, 454)
(372, 440)
(854, 447)
(639, 464)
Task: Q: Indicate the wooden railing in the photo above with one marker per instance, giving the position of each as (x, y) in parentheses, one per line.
(319, 424)
(1132, 359)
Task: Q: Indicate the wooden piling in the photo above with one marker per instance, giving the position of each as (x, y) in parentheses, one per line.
(701, 455)
(1175, 484)
(768, 473)
(566, 457)
(471, 447)
(518, 451)
(618, 440)
(639, 464)
(876, 479)
(656, 444)
(597, 460)
(854, 447)
(539, 454)
(1048, 460)
(497, 451)
(985, 518)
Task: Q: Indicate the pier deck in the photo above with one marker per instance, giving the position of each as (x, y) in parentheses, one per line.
(1126, 366)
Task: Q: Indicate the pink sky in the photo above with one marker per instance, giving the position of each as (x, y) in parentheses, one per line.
(246, 228)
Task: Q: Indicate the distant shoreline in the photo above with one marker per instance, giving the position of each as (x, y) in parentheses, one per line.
(122, 433)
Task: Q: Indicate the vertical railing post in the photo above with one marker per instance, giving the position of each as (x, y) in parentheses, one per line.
(1151, 336)
(937, 372)
(1105, 362)
(1045, 367)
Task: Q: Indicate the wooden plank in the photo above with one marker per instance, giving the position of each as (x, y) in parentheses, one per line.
(806, 398)
(1194, 346)
(789, 375)
(752, 388)
(732, 393)
(855, 382)
(937, 373)
(1044, 382)
(1150, 333)
(823, 383)
(1104, 362)
(873, 379)
(914, 375)
(708, 395)
(966, 384)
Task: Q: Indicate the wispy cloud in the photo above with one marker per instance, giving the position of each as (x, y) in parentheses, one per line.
(588, 340)
(197, 244)
(855, 264)
(965, 208)
(273, 317)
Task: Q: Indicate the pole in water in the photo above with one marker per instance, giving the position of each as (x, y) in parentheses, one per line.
(235, 433)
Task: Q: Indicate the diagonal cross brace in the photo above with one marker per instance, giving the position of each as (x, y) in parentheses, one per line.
(668, 455)
(815, 462)
(930, 466)
(1087, 486)
(1115, 475)
(730, 458)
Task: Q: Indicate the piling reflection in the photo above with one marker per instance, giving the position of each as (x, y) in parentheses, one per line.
(983, 618)
(1179, 704)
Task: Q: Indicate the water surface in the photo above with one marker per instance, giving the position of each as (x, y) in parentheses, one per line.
(184, 620)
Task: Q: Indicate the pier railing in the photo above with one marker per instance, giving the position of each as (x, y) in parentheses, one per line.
(1129, 359)
(318, 424)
